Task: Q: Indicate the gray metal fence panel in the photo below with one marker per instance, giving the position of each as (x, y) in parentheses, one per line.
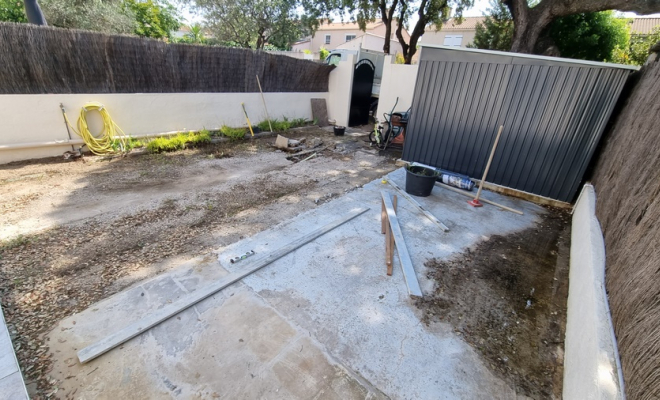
(554, 113)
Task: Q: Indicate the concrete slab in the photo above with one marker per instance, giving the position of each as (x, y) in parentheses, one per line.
(11, 379)
(323, 322)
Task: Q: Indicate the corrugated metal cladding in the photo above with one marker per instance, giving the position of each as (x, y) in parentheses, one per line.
(554, 113)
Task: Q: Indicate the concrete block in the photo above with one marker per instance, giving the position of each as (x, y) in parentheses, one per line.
(591, 360)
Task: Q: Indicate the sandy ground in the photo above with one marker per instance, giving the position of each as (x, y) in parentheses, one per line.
(76, 232)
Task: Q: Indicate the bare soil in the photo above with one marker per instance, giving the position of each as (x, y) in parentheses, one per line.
(507, 298)
(77, 232)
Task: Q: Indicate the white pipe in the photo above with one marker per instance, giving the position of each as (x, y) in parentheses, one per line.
(18, 146)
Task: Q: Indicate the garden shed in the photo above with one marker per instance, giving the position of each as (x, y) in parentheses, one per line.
(554, 112)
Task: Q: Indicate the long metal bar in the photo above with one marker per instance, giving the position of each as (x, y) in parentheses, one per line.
(419, 206)
(110, 342)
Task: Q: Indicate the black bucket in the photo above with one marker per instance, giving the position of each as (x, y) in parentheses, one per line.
(420, 180)
(339, 130)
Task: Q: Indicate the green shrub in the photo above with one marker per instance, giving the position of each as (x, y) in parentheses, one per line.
(126, 145)
(179, 142)
(232, 133)
(279, 126)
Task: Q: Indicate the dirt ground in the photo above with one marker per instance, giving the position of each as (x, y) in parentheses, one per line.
(507, 298)
(74, 233)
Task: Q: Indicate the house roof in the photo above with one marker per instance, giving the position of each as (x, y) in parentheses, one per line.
(335, 26)
(644, 26)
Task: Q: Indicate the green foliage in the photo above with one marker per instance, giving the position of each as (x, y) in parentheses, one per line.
(233, 133)
(638, 49)
(399, 59)
(195, 36)
(12, 11)
(111, 16)
(179, 142)
(279, 126)
(324, 53)
(590, 36)
(496, 32)
(154, 20)
(595, 36)
(255, 23)
(126, 145)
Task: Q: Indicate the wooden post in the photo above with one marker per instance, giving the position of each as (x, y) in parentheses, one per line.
(389, 238)
(475, 202)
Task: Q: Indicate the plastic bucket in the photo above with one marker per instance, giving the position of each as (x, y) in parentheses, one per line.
(420, 180)
(339, 130)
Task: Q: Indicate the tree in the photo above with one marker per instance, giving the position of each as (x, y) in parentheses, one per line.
(496, 31)
(254, 23)
(426, 12)
(531, 20)
(592, 36)
(110, 16)
(154, 20)
(196, 34)
(12, 11)
(638, 49)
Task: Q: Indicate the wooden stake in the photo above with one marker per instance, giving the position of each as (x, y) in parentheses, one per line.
(264, 101)
(475, 202)
(404, 256)
(110, 342)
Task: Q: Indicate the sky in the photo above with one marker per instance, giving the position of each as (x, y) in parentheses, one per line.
(480, 8)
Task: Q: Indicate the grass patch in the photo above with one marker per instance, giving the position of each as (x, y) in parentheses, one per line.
(232, 133)
(18, 241)
(179, 142)
(126, 145)
(283, 125)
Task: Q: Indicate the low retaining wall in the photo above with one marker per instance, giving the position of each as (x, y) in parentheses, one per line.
(33, 119)
(591, 360)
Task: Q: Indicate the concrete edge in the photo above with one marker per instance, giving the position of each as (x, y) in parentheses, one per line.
(592, 368)
(14, 387)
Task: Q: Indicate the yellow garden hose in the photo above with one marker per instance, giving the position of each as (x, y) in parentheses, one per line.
(108, 141)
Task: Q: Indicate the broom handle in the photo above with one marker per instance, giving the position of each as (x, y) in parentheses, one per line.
(490, 159)
(264, 101)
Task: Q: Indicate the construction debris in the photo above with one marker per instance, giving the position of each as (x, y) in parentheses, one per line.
(419, 207)
(242, 257)
(464, 193)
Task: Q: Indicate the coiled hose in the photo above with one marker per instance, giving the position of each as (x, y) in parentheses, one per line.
(108, 141)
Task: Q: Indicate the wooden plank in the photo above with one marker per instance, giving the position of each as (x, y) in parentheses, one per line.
(464, 193)
(320, 112)
(419, 206)
(108, 343)
(404, 256)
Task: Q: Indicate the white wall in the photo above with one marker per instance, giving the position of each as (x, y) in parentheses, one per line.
(340, 86)
(398, 81)
(591, 363)
(29, 119)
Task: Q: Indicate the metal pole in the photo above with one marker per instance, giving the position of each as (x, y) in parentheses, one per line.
(264, 100)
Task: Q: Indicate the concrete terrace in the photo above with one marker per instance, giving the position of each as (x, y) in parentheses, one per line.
(323, 322)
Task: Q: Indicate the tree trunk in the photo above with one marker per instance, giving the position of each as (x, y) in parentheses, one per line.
(386, 17)
(529, 23)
